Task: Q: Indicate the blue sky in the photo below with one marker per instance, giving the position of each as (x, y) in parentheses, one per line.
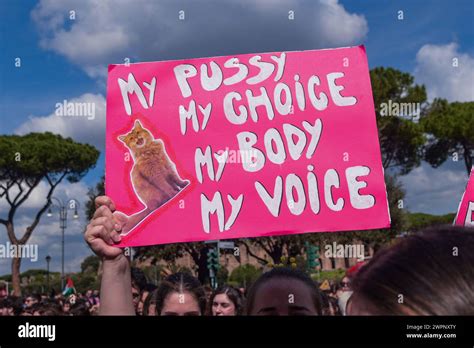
(67, 59)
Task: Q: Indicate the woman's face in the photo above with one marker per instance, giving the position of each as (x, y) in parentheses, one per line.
(345, 284)
(180, 304)
(141, 302)
(152, 309)
(222, 306)
(284, 297)
(135, 297)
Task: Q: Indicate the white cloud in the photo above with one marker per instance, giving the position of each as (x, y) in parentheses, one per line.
(434, 68)
(47, 235)
(36, 199)
(27, 211)
(107, 31)
(434, 190)
(84, 129)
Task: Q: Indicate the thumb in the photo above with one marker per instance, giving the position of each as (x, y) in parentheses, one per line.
(120, 220)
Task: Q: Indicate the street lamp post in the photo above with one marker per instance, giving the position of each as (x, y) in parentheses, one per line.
(63, 208)
(48, 259)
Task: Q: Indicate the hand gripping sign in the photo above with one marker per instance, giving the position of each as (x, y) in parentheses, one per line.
(244, 146)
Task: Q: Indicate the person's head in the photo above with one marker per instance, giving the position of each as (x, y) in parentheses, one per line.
(31, 300)
(89, 293)
(141, 301)
(284, 291)
(79, 308)
(3, 308)
(14, 305)
(149, 306)
(67, 306)
(180, 294)
(345, 284)
(143, 296)
(138, 284)
(3, 290)
(429, 273)
(208, 291)
(138, 278)
(135, 297)
(330, 305)
(47, 308)
(225, 301)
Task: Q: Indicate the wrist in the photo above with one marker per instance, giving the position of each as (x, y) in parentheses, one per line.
(119, 264)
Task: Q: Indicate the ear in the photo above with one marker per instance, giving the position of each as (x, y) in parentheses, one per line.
(138, 124)
(122, 138)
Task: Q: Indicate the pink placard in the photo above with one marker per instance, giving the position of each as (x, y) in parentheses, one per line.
(465, 215)
(244, 146)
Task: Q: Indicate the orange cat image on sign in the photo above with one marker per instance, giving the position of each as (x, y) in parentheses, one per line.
(154, 177)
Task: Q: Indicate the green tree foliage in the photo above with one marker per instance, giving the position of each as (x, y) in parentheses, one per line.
(170, 252)
(27, 160)
(419, 221)
(90, 264)
(85, 281)
(451, 130)
(35, 280)
(222, 276)
(94, 192)
(401, 139)
(245, 275)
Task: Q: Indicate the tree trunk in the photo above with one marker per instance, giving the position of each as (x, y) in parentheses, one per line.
(467, 159)
(276, 254)
(200, 259)
(16, 263)
(202, 271)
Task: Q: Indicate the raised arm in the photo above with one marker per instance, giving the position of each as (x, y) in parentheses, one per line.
(102, 233)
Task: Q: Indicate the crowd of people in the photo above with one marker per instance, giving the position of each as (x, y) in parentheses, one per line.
(36, 304)
(182, 294)
(428, 273)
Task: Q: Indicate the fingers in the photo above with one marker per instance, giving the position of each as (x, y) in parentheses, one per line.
(103, 215)
(106, 221)
(103, 231)
(120, 221)
(103, 210)
(104, 250)
(105, 228)
(104, 200)
(115, 235)
(99, 232)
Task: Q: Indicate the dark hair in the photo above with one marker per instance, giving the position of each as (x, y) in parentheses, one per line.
(15, 303)
(232, 293)
(47, 308)
(429, 273)
(329, 305)
(150, 287)
(150, 299)
(284, 273)
(80, 308)
(35, 296)
(180, 282)
(138, 278)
